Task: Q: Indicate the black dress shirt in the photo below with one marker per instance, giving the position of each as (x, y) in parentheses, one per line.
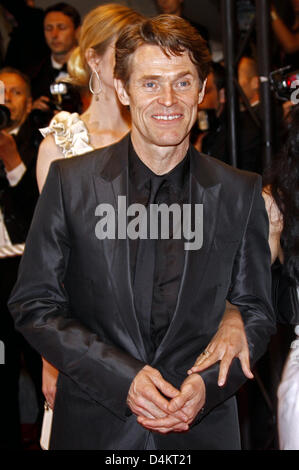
(169, 253)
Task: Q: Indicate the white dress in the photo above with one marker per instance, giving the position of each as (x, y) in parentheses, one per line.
(288, 399)
(70, 134)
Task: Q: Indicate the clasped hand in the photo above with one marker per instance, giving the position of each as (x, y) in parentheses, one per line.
(159, 406)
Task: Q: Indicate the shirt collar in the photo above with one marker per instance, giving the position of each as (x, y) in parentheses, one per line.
(55, 64)
(140, 174)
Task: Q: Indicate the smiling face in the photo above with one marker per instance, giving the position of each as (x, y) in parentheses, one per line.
(163, 95)
(17, 97)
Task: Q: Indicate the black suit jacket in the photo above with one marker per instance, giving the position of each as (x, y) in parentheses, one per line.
(74, 302)
(45, 76)
(18, 202)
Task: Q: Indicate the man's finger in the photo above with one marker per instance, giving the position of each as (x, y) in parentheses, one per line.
(166, 388)
(152, 395)
(203, 362)
(168, 422)
(245, 364)
(179, 402)
(179, 428)
(141, 412)
(224, 367)
(152, 402)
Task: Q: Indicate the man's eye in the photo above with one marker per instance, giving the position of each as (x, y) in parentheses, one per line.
(150, 85)
(183, 83)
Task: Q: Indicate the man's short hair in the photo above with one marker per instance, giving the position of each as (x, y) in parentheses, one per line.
(67, 10)
(172, 34)
(14, 71)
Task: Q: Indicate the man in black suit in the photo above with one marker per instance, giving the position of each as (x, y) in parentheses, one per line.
(123, 310)
(61, 27)
(19, 141)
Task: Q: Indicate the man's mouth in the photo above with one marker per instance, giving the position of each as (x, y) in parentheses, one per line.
(166, 117)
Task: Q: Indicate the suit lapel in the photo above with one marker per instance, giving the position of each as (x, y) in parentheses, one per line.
(204, 189)
(112, 181)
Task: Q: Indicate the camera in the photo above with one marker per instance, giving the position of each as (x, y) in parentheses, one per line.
(64, 97)
(284, 82)
(5, 118)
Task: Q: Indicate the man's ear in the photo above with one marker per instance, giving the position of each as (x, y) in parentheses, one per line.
(222, 97)
(121, 92)
(202, 92)
(29, 105)
(255, 83)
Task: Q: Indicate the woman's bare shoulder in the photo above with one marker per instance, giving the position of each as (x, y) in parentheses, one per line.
(47, 153)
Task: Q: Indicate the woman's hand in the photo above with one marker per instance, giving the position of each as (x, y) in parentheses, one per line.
(229, 342)
(50, 375)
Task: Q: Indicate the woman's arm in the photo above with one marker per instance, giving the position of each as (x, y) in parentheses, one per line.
(229, 342)
(275, 225)
(47, 153)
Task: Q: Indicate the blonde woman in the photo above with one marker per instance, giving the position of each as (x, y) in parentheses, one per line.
(105, 121)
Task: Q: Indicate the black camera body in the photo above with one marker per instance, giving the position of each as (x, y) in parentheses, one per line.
(284, 82)
(64, 97)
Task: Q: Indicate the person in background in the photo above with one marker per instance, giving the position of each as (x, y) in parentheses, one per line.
(61, 28)
(27, 46)
(176, 7)
(281, 200)
(132, 375)
(209, 133)
(249, 127)
(283, 184)
(19, 141)
(288, 37)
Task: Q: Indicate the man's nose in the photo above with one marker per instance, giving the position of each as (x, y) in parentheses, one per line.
(7, 96)
(54, 32)
(168, 96)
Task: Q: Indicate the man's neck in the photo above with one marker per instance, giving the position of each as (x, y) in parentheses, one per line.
(61, 58)
(160, 160)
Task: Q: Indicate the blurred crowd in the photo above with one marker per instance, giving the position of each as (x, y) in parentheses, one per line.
(35, 47)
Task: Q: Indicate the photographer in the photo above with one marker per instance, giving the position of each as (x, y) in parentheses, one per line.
(61, 27)
(19, 142)
(209, 132)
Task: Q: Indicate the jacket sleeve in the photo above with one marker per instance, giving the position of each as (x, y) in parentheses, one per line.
(40, 308)
(251, 291)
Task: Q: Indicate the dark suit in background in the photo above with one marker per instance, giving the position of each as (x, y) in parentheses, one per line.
(27, 47)
(17, 206)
